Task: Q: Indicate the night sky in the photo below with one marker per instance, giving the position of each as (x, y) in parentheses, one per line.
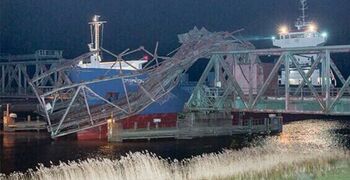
(28, 25)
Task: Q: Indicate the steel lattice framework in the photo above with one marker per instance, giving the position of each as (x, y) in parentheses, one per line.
(17, 70)
(325, 99)
(67, 107)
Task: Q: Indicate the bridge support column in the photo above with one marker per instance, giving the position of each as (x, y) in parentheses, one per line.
(250, 124)
(252, 60)
(327, 79)
(286, 82)
(19, 79)
(240, 118)
(3, 78)
(217, 82)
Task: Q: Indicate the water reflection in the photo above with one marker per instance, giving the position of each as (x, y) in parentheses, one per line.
(313, 141)
(21, 151)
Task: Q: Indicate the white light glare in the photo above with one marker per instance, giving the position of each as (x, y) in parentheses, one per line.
(95, 18)
(283, 30)
(324, 34)
(312, 28)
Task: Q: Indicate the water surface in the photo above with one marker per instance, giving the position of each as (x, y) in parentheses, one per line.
(305, 149)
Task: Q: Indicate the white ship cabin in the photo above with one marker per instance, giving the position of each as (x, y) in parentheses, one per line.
(305, 37)
(95, 62)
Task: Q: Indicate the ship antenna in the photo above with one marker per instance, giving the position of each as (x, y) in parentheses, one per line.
(303, 9)
(301, 22)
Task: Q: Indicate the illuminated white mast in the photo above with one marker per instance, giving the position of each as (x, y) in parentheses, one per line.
(301, 22)
(95, 46)
(96, 27)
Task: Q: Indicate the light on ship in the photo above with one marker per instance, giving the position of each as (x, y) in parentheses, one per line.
(283, 30)
(95, 18)
(145, 57)
(312, 27)
(324, 34)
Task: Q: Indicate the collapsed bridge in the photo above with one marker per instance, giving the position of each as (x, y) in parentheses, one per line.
(67, 107)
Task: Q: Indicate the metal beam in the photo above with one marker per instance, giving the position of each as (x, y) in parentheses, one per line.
(309, 73)
(91, 82)
(299, 50)
(67, 110)
(309, 84)
(119, 59)
(340, 94)
(327, 79)
(252, 59)
(201, 80)
(126, 95)
(63, 66)
(286, 83)
(87, 105)
(268, 80)
(103, 99)
(3, 78)
(338, 73)
(146, 92)
(232, 79)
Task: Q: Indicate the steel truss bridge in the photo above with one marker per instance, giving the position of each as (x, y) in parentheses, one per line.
(68, 108)
(305, 98)
(16, 71)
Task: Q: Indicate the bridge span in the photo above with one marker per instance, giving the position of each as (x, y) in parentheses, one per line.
(268, 96)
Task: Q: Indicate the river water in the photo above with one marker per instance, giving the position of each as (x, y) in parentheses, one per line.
(311, 149)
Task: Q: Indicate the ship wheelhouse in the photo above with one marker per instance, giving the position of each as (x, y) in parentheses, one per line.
(300, 39)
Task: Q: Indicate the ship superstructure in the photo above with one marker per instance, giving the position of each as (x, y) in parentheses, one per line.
(305, 34)
(96, 30)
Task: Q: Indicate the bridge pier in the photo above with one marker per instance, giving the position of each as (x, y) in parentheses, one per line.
(200, 124)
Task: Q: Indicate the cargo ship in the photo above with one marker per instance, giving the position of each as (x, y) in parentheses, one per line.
(162, 113)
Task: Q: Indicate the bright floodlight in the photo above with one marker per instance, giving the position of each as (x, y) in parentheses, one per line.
(283, 30)
(312, 27)
(96, 17)
(273, 37)
(324, 34)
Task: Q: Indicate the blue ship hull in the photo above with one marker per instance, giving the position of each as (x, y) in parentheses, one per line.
(170, 103)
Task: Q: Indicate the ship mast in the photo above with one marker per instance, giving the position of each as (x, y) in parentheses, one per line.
(301, 21)
(96, 27)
